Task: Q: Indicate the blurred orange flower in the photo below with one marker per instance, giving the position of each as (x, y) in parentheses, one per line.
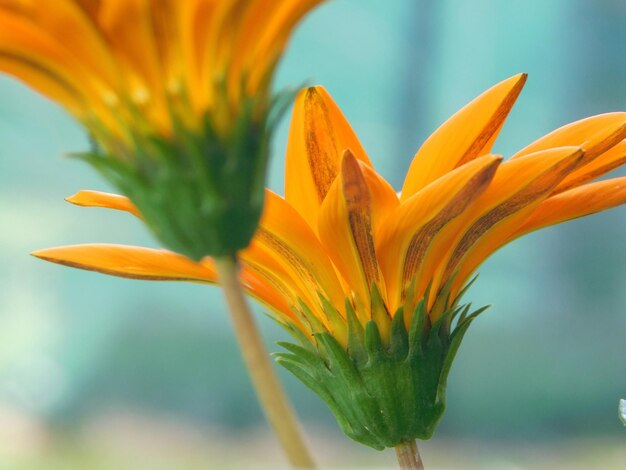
(123, 66)
(175, 95)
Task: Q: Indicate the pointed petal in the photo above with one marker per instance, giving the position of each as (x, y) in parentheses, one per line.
(131, 262)
(382, 195)
(318, 136)
(604, 163)
(345, 228)
(155, 265)
(595, 135)
(556, 209)
(87, 198)
(575, 203)
(404, 239)
(465, 136)
(517, 188)
(266, 295)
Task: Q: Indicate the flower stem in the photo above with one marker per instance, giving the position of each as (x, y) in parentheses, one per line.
(408, 456)
(269, 391)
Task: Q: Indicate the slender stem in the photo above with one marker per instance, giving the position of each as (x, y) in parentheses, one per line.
(408, 456)
(269, 391)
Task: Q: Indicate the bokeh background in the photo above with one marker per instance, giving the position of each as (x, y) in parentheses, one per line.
(100, 372)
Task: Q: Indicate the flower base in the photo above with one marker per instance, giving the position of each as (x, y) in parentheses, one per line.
(200, 191)
(383, 393)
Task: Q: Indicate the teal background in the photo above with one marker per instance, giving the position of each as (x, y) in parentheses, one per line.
(109, 372)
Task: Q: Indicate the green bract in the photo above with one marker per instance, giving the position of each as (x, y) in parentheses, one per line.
(200, 192)
(383, 391)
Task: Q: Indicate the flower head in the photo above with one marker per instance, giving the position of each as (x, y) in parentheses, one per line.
(370, 280)
(175, 94)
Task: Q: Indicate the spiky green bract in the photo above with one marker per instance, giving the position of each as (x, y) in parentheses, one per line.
(200, 191)
(383, 391)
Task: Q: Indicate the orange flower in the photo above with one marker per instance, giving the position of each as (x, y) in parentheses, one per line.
(346, 263)
(130, 66)
(175, 95)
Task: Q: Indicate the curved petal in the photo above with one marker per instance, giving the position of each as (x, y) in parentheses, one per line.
(517, 188)
(40, 59)
(575, 203)
(67, 22)
(556, 209)
(403, 241)
(131, 261)
(346, 229)
(269, 297)
(318, 136)
(605, 162)
(595, 135)
(46, 82)
(287, 292)
(156, 265)
(465, 136)
(293, 245)
(382, 195)
(86, 198)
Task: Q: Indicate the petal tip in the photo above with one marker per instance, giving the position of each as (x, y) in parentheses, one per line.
(73, 199)
(42, 254)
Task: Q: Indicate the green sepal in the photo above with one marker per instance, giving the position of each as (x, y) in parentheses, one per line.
(337, 323)
(380, 315)
(200, 190)
(356, 336)
(399, 341)
(383, 390)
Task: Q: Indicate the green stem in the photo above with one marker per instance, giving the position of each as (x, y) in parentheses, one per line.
(269, 391)
(408, 456)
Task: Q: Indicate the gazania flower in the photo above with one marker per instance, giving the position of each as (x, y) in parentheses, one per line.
(174, 93)
(369, 280)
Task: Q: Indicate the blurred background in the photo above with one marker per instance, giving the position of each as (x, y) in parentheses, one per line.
(101, 372)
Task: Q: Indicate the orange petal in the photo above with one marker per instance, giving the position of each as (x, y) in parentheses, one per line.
(263, 33)
(404, 239)
(345, 228)
(295, 248)
(517, 188)
(268, 281)
(156, 265)
(318, 136)
(565, 206)
(67, 23)
(269, 297)
(131, 262)
(605, 162)
(594, 135)
(129, 30)
(280, 291)
(87, 198)
(382, 195)
(465, 136)
(40, 59)
(45, 82)
(577, 202)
